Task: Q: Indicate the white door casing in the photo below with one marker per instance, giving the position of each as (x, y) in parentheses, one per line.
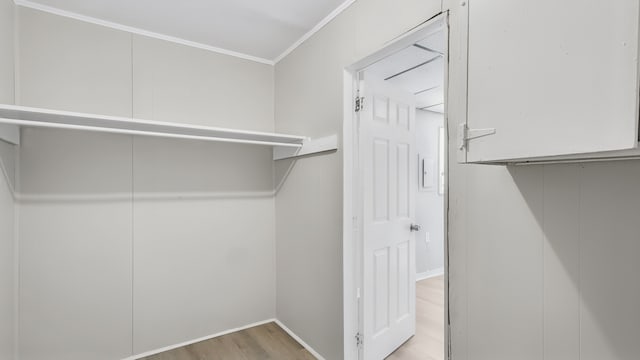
(389, 168)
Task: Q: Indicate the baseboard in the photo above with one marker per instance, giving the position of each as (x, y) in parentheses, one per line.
(429, 274)
(298, 339)
(171, 347)
(175, 346)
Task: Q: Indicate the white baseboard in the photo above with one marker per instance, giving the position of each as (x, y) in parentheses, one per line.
(429, 274)
(298, 339)
(171, 347)
(226, 332)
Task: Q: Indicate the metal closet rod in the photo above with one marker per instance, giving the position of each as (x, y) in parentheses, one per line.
(143, 133)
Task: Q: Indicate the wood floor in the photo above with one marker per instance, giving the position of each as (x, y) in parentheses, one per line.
(264, 342)
(270, 342)
(428, 343)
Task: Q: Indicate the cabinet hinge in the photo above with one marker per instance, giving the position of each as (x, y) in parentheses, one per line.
(359, 340)
(359, 104)
(465, 134)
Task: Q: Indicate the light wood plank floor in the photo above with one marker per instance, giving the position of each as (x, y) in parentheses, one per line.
(428, 343)
(264, 342)
(270, 342)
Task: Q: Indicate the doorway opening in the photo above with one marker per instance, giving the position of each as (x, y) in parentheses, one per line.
(395, 190)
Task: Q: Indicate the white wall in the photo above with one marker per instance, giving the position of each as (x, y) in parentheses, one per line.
(7, 53)
(7, 183)
(75, 239)
(204, 245)
(204, 213)
(128, 244)
(549, 262)
(429, 203)
(7, 253)
(7, 264)
(177, 83)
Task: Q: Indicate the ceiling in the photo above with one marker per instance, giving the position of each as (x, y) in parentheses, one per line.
(257, 28)
(418, 69)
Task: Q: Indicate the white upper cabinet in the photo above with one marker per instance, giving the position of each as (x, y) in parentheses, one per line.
(553, 78)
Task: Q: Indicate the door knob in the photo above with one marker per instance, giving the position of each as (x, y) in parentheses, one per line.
(415, 227)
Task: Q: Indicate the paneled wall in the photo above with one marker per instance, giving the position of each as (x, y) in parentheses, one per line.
(130, 244)
(203, 240)
(7, 54)
(7, 250)
(548, 264)
(75, 229)
(7, 183)
(177, 83)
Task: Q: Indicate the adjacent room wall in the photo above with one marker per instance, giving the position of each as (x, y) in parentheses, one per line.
(309, 100)
(429, 203)
(130, 244)
(7, 183)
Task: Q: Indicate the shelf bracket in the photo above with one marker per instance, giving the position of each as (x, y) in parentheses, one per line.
(465, 134)
(309, 147)
(10, 133)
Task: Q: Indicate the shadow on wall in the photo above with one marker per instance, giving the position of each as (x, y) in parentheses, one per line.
(589, 215)
(70, 165)
(284, 167)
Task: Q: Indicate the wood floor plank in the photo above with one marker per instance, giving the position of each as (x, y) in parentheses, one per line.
(264, 342)
(428, 342)
(271, 342)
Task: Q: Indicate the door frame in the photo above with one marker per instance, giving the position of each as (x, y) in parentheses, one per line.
(353, 198)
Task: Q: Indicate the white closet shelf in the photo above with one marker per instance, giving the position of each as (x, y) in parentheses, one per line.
(36, 117)
(12, 117)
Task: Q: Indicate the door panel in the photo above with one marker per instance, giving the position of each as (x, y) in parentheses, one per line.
(403, 180)
(388, 150)
(381, 289)
(381, 179)
(553, 78)
(404, 269)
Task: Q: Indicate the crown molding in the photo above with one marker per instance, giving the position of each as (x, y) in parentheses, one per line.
(138, 31)
(315, 29)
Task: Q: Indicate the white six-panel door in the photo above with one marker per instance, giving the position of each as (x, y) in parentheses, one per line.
(389, 171)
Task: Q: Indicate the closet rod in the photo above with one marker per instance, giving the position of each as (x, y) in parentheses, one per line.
(144, 133)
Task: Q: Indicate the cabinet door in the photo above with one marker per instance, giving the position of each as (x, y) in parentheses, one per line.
(552, 77)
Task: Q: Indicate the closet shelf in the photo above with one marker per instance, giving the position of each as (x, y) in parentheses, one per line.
(12, 117)
(36, 117)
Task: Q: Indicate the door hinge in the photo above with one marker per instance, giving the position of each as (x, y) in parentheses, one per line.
(359, 104)
(465, 134)
(359, 340)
